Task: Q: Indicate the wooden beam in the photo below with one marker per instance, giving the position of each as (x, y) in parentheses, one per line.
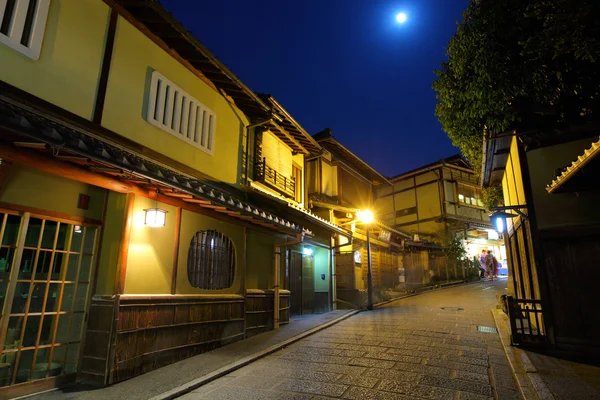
(289, 136)
(76, 159)
(109, 43)
(179, 195)
(176, 250)
(32, 160)
(197, 201)
(60, 217)
(31, 145)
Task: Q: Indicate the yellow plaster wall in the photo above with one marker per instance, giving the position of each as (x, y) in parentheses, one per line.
(384, 190)
(150, 258)
(134, 58)
(383, 206)
(426, 177)
(38, 189)
(516, 166)
(406, 218)
(428, 201)
(192, 223)
(67, 72)
(321, 266)
(512, 181)
(261, 252)
(404, 184)
(405, 200)
(329, 179)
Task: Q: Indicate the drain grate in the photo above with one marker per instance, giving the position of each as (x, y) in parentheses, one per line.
(452, 308)
(487, 329)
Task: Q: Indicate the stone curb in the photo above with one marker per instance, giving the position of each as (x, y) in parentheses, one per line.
(530, 383)
(196, 383)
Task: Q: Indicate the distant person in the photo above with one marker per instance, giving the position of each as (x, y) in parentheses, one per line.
(489, 265)
(482, 268)
(495, 265)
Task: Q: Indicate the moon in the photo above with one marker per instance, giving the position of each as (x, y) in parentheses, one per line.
(401, 18)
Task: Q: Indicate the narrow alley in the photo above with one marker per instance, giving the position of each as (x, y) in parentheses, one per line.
(426, 346)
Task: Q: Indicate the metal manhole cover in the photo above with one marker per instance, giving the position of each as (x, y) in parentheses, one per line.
(452, 308)
(487, 329)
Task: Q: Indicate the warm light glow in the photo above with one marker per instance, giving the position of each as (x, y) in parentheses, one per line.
(307, 251)
(78, 229)
(365, 216)
(155, 217)
(401, 18)
(500, 225)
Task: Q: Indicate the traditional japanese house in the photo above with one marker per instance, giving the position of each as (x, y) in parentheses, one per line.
(128, 238)
(340, 186)
(550, 218)
(435, 203)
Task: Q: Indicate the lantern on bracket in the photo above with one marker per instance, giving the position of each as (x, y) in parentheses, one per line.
(155, 217)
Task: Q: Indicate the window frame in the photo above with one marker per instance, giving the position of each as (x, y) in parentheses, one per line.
(178, 101)
(201, 261)
(17, 26)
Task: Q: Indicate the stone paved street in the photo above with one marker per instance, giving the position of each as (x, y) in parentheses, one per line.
(426, 346)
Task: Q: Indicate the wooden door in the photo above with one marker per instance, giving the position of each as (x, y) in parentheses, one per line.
(295, 285)
(308, 284)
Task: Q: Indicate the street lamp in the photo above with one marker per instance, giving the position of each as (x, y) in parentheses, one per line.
(499, 218)
(366, 217)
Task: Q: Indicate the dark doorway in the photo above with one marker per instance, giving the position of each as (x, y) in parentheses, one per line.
(301, 284)
(295, 283)
(308, 285)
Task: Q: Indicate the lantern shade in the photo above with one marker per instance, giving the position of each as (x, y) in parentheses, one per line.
(499, 218)
(155, 217)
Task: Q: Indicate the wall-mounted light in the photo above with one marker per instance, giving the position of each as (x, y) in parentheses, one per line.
(499, 218)
(307, 251)
(78, 229)
(155, 217)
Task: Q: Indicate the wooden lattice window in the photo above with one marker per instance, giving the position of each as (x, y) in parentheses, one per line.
(22, 25)
(173, 110)
(211, 261)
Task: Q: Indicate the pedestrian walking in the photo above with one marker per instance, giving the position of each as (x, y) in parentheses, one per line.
(482, 269)
(495, 265)
(489, 265)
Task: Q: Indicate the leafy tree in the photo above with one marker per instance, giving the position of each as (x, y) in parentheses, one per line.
(518, 64)
(492, 196)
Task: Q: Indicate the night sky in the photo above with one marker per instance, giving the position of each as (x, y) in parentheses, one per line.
(341, 64)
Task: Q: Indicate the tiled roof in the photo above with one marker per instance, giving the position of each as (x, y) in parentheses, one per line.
(576, 166)
(94, 151)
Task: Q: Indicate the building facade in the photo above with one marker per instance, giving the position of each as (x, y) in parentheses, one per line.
(130, 237)
(340, 186)
(437, 203)
(550, 219)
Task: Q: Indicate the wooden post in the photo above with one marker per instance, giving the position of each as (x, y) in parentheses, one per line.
(124, 244)
(176, 250)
